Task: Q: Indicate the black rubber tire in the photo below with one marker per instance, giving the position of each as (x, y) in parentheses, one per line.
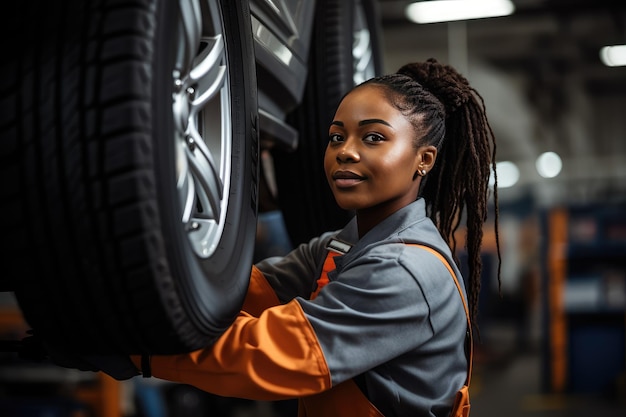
(90, 216)
(307, 203)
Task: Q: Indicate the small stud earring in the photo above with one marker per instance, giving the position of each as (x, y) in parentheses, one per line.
(423, 172)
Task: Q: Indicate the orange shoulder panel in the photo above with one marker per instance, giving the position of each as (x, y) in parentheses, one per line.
(260, 294)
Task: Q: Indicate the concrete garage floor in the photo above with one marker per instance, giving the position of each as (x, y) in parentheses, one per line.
(513, 390)
(507, 381)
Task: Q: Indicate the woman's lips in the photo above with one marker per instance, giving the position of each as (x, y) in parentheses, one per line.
(347, 179)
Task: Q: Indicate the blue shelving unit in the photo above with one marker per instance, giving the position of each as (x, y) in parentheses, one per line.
(585, 299)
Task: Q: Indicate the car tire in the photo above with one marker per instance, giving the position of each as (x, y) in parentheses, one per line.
(304, 196)
(129, 152)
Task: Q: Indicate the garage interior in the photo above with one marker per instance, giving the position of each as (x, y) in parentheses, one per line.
(553, 340)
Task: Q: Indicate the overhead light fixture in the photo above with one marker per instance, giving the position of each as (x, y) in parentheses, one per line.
(508, 174)
(449, 10)
(549, 164)
(613, 56)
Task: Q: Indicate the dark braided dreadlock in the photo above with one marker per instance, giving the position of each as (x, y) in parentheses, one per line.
(449, 114)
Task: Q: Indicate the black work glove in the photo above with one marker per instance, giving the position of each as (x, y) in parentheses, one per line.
(119, 367)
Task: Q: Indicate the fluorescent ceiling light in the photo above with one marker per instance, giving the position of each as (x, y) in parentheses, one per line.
(549, 164)
(448, 10)
(508, 174)
(613, 56)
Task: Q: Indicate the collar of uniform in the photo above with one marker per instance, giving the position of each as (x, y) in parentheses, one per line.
(395, 223)
(392, 225)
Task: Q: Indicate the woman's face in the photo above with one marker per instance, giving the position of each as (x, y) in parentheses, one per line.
(370, 160)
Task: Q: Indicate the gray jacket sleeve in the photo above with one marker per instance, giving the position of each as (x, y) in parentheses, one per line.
(295, 274)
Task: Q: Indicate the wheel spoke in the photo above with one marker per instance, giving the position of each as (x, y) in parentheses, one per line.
(206, 177)
(208, 75)
(210, 58)
(191, 31)
(361, 43)
(189, 198)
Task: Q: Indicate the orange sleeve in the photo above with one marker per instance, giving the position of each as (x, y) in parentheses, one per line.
(260, 294)
(276, 356)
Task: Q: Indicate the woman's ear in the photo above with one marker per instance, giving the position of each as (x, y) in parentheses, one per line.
(426, 156)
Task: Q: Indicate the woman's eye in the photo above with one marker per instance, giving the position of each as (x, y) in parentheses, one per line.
(373, 137)
(334, 137)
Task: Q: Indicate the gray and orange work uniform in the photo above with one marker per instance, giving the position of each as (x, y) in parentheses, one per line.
(389, 327)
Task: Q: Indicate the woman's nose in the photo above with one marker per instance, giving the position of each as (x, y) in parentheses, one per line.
(348, 153)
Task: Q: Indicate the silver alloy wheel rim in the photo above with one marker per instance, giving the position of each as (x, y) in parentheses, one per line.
(203, 136)
(362, 54)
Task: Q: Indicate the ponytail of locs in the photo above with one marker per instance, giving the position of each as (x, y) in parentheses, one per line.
(448, 113)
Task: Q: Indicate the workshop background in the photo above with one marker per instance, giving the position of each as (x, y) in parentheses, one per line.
(553, 338)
